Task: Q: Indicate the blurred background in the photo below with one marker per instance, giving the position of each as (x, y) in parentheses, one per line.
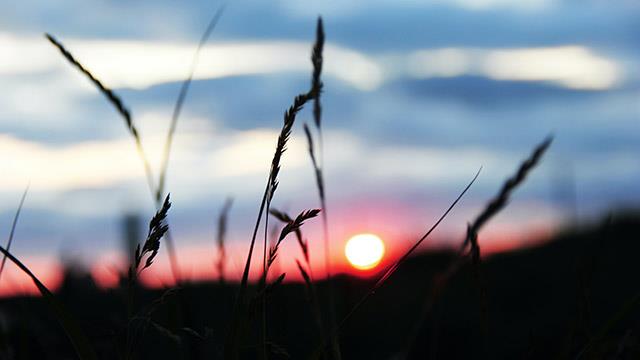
(418, 95)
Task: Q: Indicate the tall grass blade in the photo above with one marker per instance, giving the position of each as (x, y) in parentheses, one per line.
(114, 100)
(65, 318)
(126, 115)
(158, 228)
(316, 81)
(292, 226)
(313, 298)
(392, 269)
(13, 228)
(502, 198)
(471, 240)
(318, 166)
(306, 275)
(184, 89)
(232, 343)
(494, 207)
(406, 255)
(285, 218)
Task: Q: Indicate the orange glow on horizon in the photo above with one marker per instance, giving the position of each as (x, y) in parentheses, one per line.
(364, 251)
(198, 261)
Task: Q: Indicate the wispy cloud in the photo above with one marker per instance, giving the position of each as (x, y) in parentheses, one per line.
(140, 64)
(573, 66)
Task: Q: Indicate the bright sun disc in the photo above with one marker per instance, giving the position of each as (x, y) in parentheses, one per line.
(364, 251)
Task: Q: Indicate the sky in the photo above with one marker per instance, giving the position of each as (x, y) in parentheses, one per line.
(418, 96)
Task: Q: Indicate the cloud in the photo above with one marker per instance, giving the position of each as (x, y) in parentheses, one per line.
(571, 66)
(222, 162)
(140, 64)
(344, 8)
(574, 67)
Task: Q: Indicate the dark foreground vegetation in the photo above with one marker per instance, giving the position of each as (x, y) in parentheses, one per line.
(577, 296)
(574, 298)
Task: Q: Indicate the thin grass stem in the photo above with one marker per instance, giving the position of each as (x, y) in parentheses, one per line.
(13, 228)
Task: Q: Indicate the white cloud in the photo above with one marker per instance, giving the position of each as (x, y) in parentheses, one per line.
(571, 66)
(574, 66)
(86, 164)
(346, 8)
(511, 4)
(446, 62)
(230, 161)
(140, 64)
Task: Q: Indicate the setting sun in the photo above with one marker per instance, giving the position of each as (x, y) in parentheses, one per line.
(364, 251)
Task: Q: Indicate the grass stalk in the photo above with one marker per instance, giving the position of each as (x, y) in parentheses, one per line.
(220, 239)
(117, 103)
(471, 241)
(234, 336)
(158, 228)
(124, 112)
(68, 322)
(307, 275)
(392, 268)
(14, 224)
(291, 227)
(182, 95)
(318, 167)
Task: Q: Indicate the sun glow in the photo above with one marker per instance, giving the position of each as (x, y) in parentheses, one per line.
(364, 251)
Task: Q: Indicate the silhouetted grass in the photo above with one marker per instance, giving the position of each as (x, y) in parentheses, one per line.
(307, 274)
(158, 227)
(250, 309)
(117, 103)
(318, 169)
(156, 192)
(220, 239)
(182, 95)
(126, 115)
(393, 267)
(292, 226)
(13, 228)
(234, 336)
(500, 201)
(285, 218)
(471, 243)
(68, 322)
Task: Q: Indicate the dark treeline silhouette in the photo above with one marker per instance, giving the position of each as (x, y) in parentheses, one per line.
(576, 296)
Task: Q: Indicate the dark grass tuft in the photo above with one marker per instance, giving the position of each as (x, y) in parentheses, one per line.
(292, 226)
(158, 227)
(285, 218)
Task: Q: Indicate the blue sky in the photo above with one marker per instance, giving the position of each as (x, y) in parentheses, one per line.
(418, 96)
